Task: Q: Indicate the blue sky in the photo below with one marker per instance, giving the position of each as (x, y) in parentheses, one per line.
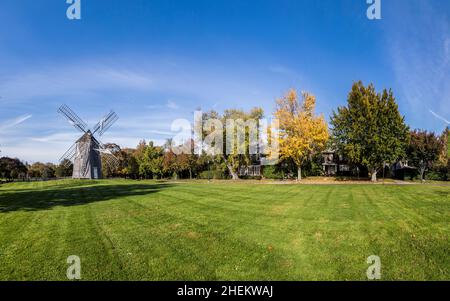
(156, 61)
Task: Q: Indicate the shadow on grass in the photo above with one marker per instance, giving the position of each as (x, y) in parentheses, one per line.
(70, 195)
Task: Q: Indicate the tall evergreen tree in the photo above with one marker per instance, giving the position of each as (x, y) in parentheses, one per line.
(370, 130)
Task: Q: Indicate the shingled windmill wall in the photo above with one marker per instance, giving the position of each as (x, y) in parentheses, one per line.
(87, 162)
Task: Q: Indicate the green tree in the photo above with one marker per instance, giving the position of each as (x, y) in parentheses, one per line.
(2, 168)
(448, 143)
(64, 169)
(151, 161)
(370, 130)
(445, 140)
(128, 163)
(36, 170)
(423, 150)
(170, 164)
(12, 168)
(187, 161)
(48, 172)
(236, 154)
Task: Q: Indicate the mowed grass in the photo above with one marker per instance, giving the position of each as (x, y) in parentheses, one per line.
(130, 230)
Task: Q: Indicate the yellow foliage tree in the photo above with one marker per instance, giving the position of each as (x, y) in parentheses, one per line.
(301, 132)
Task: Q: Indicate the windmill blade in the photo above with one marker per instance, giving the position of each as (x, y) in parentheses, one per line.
(112, 118)
(107, 155)
(105, 123)
(69, 155)
(73, 118)
(111, 161)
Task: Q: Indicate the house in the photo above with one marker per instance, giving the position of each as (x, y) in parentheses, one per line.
(250, 171)
(254, 169)
(334, 164)
(401, 170)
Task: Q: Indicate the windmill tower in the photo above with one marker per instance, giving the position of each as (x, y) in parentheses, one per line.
(87, 153)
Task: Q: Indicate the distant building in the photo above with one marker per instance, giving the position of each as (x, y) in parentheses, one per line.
(254, 169)
(402, 170)
(334, 164)
(250, 171)
(87, 162)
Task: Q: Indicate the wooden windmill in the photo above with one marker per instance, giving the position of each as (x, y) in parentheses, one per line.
(87, 153)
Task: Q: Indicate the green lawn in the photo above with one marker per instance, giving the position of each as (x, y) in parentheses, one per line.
(129, 230)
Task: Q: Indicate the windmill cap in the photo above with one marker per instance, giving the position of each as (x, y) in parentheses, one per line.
(86, 137)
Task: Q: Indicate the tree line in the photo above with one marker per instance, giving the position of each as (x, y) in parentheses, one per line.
(13, 168)
(369, 132)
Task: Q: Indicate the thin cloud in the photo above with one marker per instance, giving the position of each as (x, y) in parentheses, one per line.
(13, 122)
(439, 117)
(72, 81)
(57, 138)
(422, 69)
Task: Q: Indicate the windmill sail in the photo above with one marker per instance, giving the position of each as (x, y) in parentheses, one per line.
(103, 125)
(87, 153)
(73, 118)
(69, 155)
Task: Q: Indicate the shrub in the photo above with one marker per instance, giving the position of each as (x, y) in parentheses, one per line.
(312, 169)
(272, 172)
(250, 177)
(439, 173)
(435, 176)
(213, 174)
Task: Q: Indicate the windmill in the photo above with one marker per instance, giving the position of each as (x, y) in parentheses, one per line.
(87, 152)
